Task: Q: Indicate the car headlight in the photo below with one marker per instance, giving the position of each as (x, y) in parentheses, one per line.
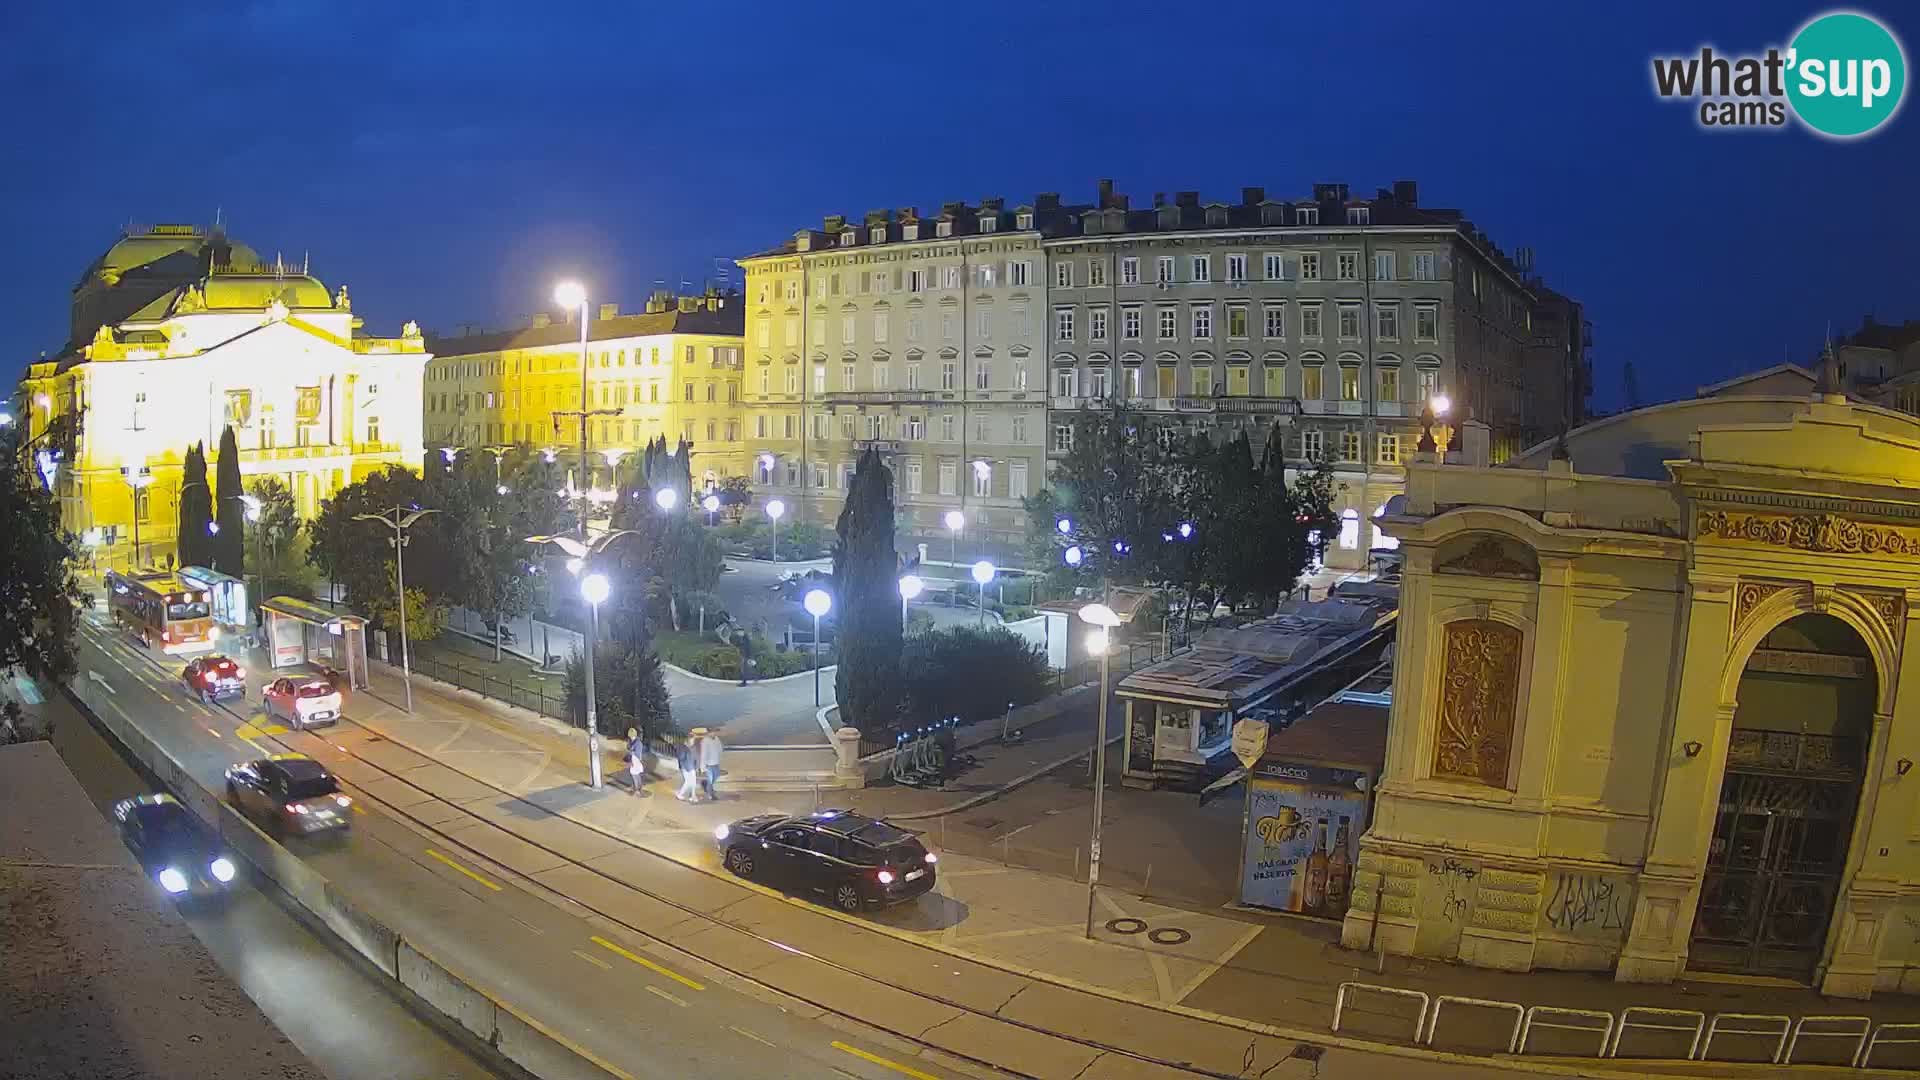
(721, 832)
(222, 869)
(173, 880)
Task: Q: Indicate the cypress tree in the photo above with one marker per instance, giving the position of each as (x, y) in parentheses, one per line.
(192, 543)
(867, 600)
(230, 511)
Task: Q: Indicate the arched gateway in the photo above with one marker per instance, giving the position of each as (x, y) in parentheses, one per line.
(1650, 712)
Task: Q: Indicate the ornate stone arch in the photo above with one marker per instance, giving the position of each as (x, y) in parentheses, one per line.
(1789, 601)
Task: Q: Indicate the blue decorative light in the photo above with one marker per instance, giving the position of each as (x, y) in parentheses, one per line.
(1073, 555)
(1186, 530)
(1065, 525)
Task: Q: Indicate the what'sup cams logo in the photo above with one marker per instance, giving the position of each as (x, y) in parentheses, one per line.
(1843, 76)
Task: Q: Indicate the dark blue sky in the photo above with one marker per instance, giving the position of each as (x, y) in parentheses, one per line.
(449, 161)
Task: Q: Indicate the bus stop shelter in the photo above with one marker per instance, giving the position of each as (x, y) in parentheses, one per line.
(299, 632)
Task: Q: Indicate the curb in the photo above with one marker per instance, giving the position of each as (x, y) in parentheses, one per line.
(988, 796)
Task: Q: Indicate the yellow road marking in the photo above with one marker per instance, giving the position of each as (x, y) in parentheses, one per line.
(463, 870)
(646, 963)
(594, 960)
(904, 1070)
(657, 992)
(749, 1034)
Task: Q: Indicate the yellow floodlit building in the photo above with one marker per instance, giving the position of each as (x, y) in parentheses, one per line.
(178, 332)
(672, 370)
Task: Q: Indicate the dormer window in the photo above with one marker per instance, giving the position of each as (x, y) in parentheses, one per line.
(989, 223)
(1273, 215)
(1306, 215)
(847, 238)
(1216, 215)
(877, 235)
(944, 228)
(910, 232)
(1023, 221)
(1359, 215)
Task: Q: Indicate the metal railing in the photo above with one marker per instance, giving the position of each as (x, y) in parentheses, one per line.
(548, 697)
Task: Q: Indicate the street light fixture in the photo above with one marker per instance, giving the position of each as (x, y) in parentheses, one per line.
(400, 519)
(910, 587)
(252, 509)
(983, 572)
(1103, 619)
(817, 603)
(594, 589)
(666, 499)
(775, 510)
(956, 521)
(711, 504)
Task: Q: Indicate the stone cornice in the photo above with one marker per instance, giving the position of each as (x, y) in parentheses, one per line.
(1816, 532)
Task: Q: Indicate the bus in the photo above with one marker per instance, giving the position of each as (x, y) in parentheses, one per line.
(157, 607)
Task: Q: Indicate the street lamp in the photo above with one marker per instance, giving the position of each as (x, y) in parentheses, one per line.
(573, 296)
(1103, 620)
(138, 480)
(711, 504)
(910, 587)
(666, 498)
(251, 505)
(400, 519)
(594, 589)
(775, 509)
(956, 521)
(983, 572)
(817, 603)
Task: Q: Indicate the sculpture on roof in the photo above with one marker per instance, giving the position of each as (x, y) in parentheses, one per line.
(191, 299)
(342, 301)
(102, 336)
(410, 330)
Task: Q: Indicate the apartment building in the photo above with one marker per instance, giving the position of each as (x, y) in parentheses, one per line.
(922, 336)
(673, 370)
(1338, 317)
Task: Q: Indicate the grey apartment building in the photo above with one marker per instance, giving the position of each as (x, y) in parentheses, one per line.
(1336, 317)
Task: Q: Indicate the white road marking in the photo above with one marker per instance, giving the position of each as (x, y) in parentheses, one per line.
(102, 680)
(657, 992)
(594, 960)
(749, 1034)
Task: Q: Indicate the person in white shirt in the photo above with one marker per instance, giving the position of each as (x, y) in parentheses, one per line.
(710, 750)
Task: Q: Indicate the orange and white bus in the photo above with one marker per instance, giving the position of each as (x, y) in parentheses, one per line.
(158, 608)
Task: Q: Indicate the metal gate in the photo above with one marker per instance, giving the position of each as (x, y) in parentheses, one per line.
(1779, 849)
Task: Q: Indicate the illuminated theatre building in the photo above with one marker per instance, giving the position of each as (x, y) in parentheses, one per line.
(177, 333)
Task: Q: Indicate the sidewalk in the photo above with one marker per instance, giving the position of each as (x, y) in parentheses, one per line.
(1269, 969)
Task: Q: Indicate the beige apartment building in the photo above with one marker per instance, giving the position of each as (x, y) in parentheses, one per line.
(671, 370)
(1338, 317)
(921, 336)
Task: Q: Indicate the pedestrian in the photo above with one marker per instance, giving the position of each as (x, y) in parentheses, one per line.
(689, 763)
(710, 749)
(636, 759)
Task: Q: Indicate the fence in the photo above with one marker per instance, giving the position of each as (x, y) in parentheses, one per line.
(546, 697)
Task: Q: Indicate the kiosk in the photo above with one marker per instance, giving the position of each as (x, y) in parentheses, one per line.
(299, 632)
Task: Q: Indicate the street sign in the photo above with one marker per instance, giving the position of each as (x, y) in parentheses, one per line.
(1249, 741)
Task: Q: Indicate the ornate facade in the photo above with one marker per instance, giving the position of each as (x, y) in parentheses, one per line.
(178, 333)
(1651, 707)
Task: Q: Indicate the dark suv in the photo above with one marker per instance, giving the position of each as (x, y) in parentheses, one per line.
(851, 860)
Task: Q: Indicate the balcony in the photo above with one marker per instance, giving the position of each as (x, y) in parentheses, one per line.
(884, 446)
(1193, 404)
(1263, 406)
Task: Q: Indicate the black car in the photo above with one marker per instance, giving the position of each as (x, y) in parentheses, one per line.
(851, 860)
(213, 677)
(173, 847)
(288, 795)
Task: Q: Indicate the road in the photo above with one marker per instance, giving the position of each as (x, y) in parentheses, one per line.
(645, 1009)
(342, 1013)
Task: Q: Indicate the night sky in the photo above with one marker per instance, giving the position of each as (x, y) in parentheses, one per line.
(449, 161)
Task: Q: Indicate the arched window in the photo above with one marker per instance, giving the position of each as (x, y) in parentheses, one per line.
(1381, 541)
(1349, 528)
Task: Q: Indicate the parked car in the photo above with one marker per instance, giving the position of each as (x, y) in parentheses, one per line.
(850, 860)
(173, 847)
(302, 702)
(213, 677)
(288, 795)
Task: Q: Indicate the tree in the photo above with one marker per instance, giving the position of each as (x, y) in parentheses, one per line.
(39, 597)
(1115, 485)
(867, 599)
(359, 554)
(1312, 498)
(629, 690)
(736, 495)
(193, 541)
(424, 617)
(230, 511)
(272, 537)
(972, 672)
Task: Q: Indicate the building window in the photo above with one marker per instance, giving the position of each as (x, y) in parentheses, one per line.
(982, 374)
(1019, 376)
(1383, 266)
(1275, 266)
(1347, 266)
(946, 427)
(1169, 324)
(880, 322)
(1386, 322)
(1023, 221)
(1019, 432)
(943, 228)
(1132, 379)
(1062, 438)
(1388, 450)
(1203, 323)
(1389, 384)
(793, 474)
(1349, 322)
(1236, 268)
(787, 425)
(760, 427)
(1165, 270)
(1306, 215)
(846, 331)
(239, 407)
(1097, 324)
(792, 332)
(1349, 529)
(1423, 266)
(916, 281)
(913, 428)
(1066, 382)
(913, 476)
(1310, 386)
(1202, 381)
(1096, 273)
(373, 429)
(1099, 382)
(1429, 383)
(849, 377)
(1202, 268)
(1130, 324)
(793, 379)
(989, 222)
(820, 378)
(820, 474)
(686, 391)
(1129, 271)
(913, 328)
(1309, 266)
(983, 326)
(1276, 379)
(1310, 321)
(949, 478)
(1313, 444)
(1237, 321)
(913, 375)
(982, 479)
(1017, 273)
(1063, 324)
(1426, 322)
(1350, 447)
(1063, 275)
(949, 378)
(882, 377)
(1349, 382)
(1359, 215)
(1017, 480)
(1275, 322)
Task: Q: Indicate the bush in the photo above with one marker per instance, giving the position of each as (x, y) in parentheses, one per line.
(970, 672)
(797, 542)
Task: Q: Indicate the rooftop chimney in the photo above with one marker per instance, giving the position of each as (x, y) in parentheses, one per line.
(608, 311)
(1252, 196)
(1047, 200)
(1186, 198)
(834, 222)
(1159, 199)
(1106, 194)
(1406, 192)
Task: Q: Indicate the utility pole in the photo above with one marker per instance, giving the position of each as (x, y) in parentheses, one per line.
(400, 519)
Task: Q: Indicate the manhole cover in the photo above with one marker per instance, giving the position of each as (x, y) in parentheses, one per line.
(1307, 1051)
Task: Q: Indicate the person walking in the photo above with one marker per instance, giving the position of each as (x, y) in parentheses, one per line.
(636, 760)
(688, 757)
(710, 750)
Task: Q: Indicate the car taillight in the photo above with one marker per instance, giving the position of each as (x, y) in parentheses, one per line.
(239, 673)
(210, 676)
(932, 858)
(298, 808)
(886, 877)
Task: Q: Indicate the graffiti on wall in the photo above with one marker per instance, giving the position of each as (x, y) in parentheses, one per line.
(1445, 902)
(1588, 905)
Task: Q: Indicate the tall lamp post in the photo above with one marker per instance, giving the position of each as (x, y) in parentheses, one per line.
(775, 510)
(711, 504)
(400, 519)
(138, 480)
(983, 572)
(252, 511)
(594, 589)
(817, 603)
(1103, 620)
(956, 521)
(910, 587)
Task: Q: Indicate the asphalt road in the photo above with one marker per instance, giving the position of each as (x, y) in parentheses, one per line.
(645, 1010)
(342, 1013)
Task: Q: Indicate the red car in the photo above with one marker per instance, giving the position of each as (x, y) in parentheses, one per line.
(213, 677)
